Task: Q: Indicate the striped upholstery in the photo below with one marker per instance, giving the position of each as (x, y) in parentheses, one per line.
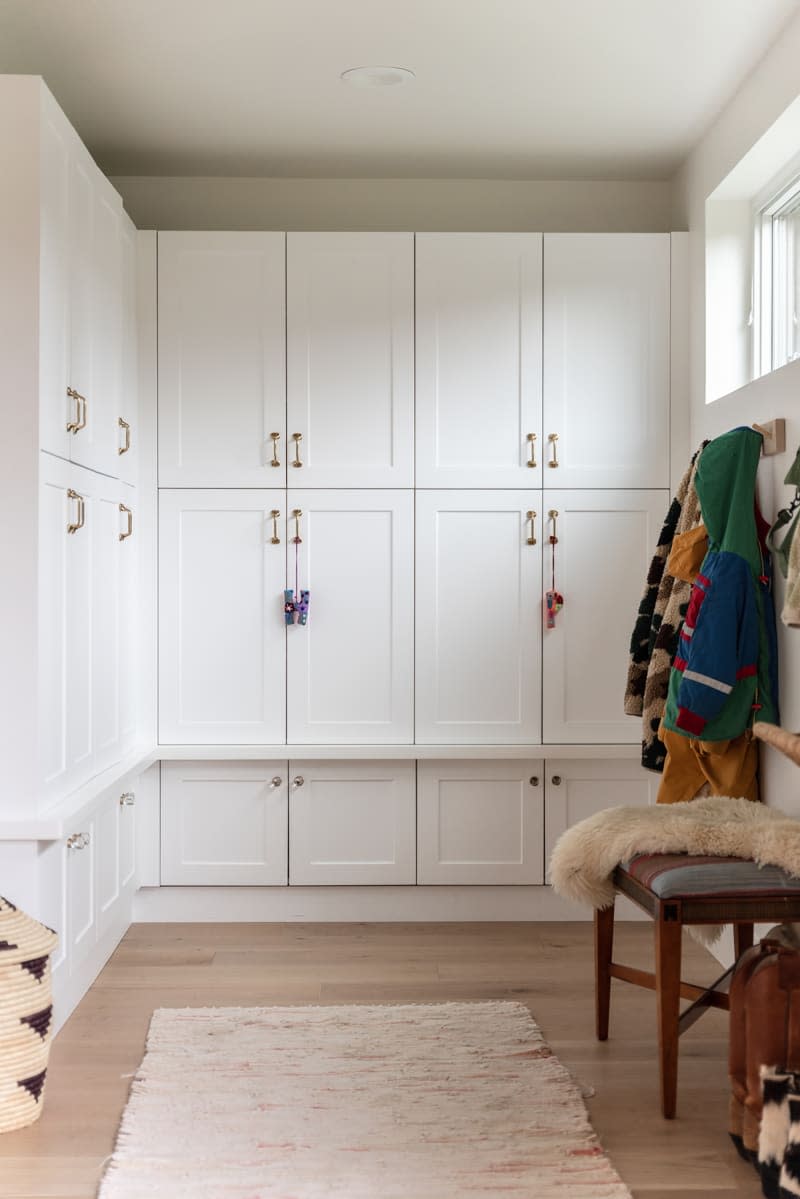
(670, 875)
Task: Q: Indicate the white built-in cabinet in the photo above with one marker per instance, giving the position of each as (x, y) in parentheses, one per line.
(606, 359)
(221, 360)
(87, 623)
(347, 823)
(230, 668)
(350, 669)
(478, 617)
(350, 359)
(380, 823)
(352, 823)
(479, 360)
(85, 313)
(480, 822)
(224, 823)
(222, 663)
(576, 788)
(605, 542)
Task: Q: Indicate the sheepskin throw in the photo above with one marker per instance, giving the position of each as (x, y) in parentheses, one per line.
(586, 855)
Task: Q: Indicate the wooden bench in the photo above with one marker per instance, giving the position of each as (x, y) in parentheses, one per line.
(677, 890)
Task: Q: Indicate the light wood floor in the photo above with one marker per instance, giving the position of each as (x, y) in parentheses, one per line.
(548, 967)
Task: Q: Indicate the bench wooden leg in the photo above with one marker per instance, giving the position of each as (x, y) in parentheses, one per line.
(603, 952)
(668, 983)
(742, 938)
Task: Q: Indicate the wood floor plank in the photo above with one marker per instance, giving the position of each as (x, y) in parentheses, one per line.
(548, 967)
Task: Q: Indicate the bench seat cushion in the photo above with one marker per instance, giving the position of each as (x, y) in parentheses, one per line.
(670, 875)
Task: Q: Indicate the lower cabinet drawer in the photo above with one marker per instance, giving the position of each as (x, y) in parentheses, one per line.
(480, 822)
(352, 823)
(224, 823)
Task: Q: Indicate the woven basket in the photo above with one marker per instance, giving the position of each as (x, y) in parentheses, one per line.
(26, 1013)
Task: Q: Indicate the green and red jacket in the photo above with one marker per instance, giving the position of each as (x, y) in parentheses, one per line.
(725, 671)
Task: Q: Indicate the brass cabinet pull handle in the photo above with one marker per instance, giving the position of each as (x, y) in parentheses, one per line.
(127, 799)
(129, 530)
(74, 426)
(553, 438)
(73, 526)
(531, 516)
(531, 439)
(297, 438)
(275, 539)
(553, 514)
(123, 424)
(297, 539)
(275, 438)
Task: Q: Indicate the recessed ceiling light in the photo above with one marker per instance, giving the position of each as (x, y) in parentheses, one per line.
(377, 76)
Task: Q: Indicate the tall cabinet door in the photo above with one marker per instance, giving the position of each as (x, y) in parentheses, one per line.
(54, 281)
(221, 360)
(350, 668)
(605, 543)
(478, 636)
(606, 359)
(128, 410)
(221, 631)
(350, 359)
(67, 510)
(479, 359)
(95, 315)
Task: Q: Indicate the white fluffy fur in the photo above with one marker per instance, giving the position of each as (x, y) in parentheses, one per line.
(585, 856)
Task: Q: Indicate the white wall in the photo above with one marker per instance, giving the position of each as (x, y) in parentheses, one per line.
(765, 94)
(420, 204)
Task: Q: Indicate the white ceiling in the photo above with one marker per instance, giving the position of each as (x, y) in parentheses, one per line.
(512, 89)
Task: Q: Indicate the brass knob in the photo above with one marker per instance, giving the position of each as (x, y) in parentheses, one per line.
(298, 780)
(275, 782)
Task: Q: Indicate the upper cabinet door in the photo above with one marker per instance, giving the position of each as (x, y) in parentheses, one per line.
(222, 658)
(351, 667)
(54, 280)
(479, 359)
(95, 315)
(605, 544)
(221, 360)
(478, 640)
(606, 359)
(350, 365)
(128, 411)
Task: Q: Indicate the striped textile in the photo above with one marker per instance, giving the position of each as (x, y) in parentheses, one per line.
(670, 875)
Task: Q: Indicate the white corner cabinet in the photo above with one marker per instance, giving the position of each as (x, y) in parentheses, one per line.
(70, 608)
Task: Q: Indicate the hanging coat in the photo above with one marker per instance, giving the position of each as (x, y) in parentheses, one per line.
(725, 673)
(654, 641)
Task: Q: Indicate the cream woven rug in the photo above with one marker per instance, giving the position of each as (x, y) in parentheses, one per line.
(439, 1101)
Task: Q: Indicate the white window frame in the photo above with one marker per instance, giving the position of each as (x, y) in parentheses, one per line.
(776, 261)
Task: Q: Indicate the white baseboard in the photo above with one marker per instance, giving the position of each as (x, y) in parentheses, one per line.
(358, 904)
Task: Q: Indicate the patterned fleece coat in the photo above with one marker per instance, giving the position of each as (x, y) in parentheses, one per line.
(654, 641)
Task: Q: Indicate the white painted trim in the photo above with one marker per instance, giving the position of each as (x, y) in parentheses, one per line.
(680, 448)
(375, 904)
(269, 753)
